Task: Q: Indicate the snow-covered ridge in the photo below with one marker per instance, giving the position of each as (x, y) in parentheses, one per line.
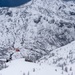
(61, 56)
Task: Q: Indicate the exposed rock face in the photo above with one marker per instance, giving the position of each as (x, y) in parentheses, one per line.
(38, 27)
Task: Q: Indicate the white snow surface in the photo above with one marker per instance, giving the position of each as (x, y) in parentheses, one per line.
(37, 28)
(59, 56)
(21, 67)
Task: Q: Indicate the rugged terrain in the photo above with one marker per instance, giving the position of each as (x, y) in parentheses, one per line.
(37, 27)
(42, 30)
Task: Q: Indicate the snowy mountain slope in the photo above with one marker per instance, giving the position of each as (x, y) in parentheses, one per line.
(20, 67)
(61, 56)
(37, 27)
